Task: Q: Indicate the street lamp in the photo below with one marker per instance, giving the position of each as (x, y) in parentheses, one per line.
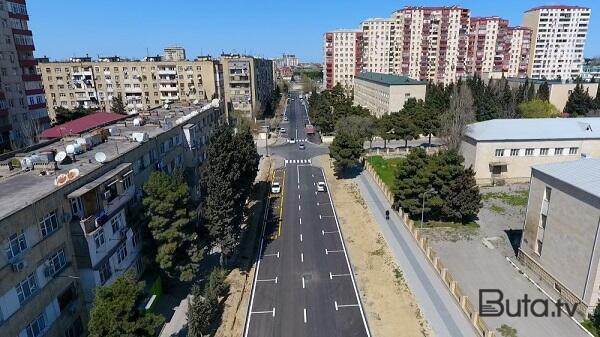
(430, 191)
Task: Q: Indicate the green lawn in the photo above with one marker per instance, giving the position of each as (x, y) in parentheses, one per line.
(385, 168)
(517, 198)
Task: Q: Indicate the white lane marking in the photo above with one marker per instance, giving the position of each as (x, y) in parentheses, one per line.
(269, 280)
(300, 237)
(298, 196)
(300, 221)
(304, 315)
(274, 254)
(298, 174)
(299, 208)
(333, 251)
(272, 312)
(317, 203)
(324, 232)
(298, 186)
(335, 303)
(320, 217)
(302, 257)
(303, 285)
(331, 275)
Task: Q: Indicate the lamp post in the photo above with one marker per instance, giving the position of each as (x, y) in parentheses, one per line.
(431, 191)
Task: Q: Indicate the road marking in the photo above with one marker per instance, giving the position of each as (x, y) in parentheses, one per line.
(269, 280)
(303, 285)
(298, 186)
(302, 257)
(324, 232)
(320, 217)
(331, 276)
(299, 208)
(274, 254)
(304, 315)
(298, 196)
(300, 237)
(333, 251)
(272, 312)
(300, 221)
(337, 306)
(317, 203)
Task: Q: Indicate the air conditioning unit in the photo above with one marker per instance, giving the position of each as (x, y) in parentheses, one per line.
(17, 266)
(106, 195)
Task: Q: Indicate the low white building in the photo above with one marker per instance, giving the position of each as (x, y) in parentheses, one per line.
(385, 93)
(504, 150)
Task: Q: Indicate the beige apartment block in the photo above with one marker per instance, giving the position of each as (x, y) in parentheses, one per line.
(249, 84)
(174, 54)
(558, 39)
(343, 57)
(560, 236)
(377, 39)
(142, 84)
(384, 93)
(504, 150)
(68, 227)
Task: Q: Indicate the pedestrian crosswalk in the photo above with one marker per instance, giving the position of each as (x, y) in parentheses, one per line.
(303, 140)
(297, 161)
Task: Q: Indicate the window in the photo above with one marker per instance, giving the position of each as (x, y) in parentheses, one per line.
(543, 220)
(48, 224)
(514, 152)
(544, 151)
(539, 247)
(127, 180)
(16, 244)
(27, 288)
(499, 152)
(558, 151)
(37, 327)
(115, 222)
(122, 252)
(99, 238)
(135, 239)
(529, 152)
(105, 272)
(547, 193)
(573, 150)
(76, 206)
(57, 262)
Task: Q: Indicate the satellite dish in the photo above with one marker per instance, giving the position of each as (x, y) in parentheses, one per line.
(60, 156)
(70, 149)
(100, 157)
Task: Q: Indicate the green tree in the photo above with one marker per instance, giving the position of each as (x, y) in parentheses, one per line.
(537, 108)
(531, 93)
(362, 126)
(507, 331)
(543, 92)
(173, 225)
(346, 150)
(384, 127)
(459, 114)
(117, 105)
(579, 102)
(202, 312)
(216, 283)
(464, 200)
(115, 311)
(404, 127)
(425, 118)
(64, 115)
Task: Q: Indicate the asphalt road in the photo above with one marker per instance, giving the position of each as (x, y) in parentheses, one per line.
(304, 284)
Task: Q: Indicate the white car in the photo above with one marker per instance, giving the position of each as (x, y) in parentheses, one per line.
(321, 186)
(285, 119)
(282, 130)
(275, 187)
(292, 141)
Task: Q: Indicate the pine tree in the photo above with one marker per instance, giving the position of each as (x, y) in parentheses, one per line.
(464, 200)
(544, 91)
(579, 102)
(115, 310)
(117, 105)
(173, 225)
(404, 127)
(346, 150)
(530, 93)
(202, 311)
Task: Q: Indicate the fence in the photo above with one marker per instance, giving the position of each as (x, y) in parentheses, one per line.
(463, 300)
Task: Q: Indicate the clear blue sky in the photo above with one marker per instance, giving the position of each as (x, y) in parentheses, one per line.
(63, 28)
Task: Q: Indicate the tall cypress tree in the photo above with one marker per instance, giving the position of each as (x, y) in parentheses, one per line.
(544, 92)
(579, 102)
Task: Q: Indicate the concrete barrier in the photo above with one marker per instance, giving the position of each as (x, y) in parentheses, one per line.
(451, 284)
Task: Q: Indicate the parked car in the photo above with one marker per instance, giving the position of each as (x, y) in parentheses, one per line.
(275, 187)
(321, 186)
(301, 146)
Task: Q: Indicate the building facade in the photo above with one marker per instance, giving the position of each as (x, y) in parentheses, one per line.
(557, 42)
(343, 57)
(249, 84)
(69, 227)
(560, 235)
(286, 61)
(504, 150)
(377, 39)
(141, 84)
(384, 93)
(23, 112)
(174, 54)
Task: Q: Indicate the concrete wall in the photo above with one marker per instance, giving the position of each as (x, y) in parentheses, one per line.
(559, 93)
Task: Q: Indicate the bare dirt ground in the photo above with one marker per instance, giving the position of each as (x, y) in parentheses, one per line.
(389, 304)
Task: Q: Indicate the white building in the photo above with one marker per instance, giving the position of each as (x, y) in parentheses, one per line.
(343, 57)
(384, 93)
(377, 45)
(558, 39)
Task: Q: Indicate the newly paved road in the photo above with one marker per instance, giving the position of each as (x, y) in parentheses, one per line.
(304, 285)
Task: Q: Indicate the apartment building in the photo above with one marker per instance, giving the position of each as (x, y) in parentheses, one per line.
(174, 54)
(386, 93)
(558, 38)
(591, 71)
(494, 47)
(249, 84)
(286, 61)
(560, 234)
(68, 225)
(343, 57)
(504, 150)
(378, 35)
(23, 111)
(142, 84)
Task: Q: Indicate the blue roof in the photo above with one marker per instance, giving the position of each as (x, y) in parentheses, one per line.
(535, 129)
(583, 174)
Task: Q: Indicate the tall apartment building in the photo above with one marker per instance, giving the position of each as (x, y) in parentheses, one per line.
(496, 48)
(175, 54)
(249, 84)
(343, 57)
(286, 61)
(23, 111)
(378, 35)
(558, 39)
(142, 84)
(69, 227)
(431, 42)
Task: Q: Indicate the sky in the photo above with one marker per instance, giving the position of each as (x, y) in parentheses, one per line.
(267, 28)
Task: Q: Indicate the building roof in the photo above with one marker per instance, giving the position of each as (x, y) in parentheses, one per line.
(83, 124)
(388, 79)
(556, 7)
(535, 129)
(583, 174)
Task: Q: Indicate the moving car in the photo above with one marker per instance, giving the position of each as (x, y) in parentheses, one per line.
(275, 187)
(282, 130)
(301, 146)
(321, 186)
(285, 118)
(292, 141)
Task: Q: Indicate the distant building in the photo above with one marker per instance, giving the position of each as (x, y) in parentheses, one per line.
(343, 57)
(591, 71)
(504, 150)
(560, 240)
(377, 40)
(558, 38)
(384, 93)
(175, 54)
(286, 61)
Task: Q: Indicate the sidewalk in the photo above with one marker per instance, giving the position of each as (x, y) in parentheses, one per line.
(439, 307)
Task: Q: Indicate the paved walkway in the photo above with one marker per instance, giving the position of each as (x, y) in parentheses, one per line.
(437, 304)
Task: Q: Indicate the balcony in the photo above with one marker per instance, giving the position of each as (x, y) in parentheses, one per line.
(170, 89)
(28, 63)
(32, 78)
(24, 47)
(37, 106)
(167, 72)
